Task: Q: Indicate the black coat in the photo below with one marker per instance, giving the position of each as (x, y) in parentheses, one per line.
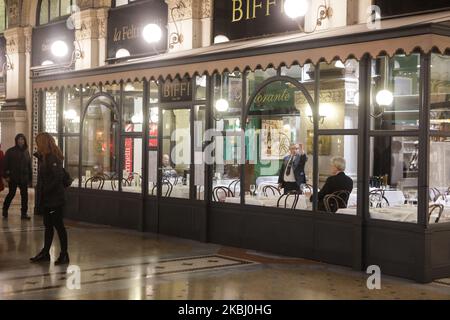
(298, 166)
(50, 188)
(335, 183)
(17, 165)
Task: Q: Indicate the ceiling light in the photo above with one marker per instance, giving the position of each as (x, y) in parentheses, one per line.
(152, 33)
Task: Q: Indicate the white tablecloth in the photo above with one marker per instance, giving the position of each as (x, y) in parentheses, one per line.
(302, 203)
(395, 198)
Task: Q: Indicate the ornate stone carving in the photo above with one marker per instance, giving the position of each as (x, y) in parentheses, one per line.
(206, 9)
(13, 12)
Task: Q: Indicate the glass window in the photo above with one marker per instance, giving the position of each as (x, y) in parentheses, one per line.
(393, 179)
(338, 174)
(176, 153)
(99, 163)
(277, 158)
(255, 78)
(50, 112)
(132, 105)
(439, 180)
(132, 165)
(52, 10)
(395, 93)
(72, 110)
(440, 93)
(339, 97)
(153, 115)
(200, 87)
(199, 140)
(226, 145)
(3, 16)
(43, 12)
(71, 157)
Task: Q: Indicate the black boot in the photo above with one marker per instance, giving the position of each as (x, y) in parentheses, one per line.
(41, 257)
(5, 213)
(25, 217)
(63, 259)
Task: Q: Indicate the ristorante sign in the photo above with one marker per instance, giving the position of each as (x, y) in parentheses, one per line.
(126, 24)
(238, 19)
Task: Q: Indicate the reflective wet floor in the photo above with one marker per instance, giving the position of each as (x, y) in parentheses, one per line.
(111, 263)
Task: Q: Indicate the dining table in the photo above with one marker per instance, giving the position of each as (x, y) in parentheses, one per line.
(271, 201)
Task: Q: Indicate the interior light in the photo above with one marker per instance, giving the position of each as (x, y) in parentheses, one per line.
(137, 118)
(339, 64)
(152, 33)
(385, 98)
(59, 48)
(296, 8)
(220, 39)
(222, 105)
(154, 117)
(70, 114)
(122, 53)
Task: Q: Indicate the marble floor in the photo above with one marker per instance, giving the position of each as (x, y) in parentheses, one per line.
(112, 263)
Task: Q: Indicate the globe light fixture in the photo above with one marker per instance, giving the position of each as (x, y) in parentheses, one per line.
(122, 53)
(385, 98)
(296, 8)
(59, 49)
(152, 33)
(137, 118)
(222, 105)
(220, 39)
(47, 63)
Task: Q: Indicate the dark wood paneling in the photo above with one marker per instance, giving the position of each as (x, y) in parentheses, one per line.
(439, 253)
(151, 215)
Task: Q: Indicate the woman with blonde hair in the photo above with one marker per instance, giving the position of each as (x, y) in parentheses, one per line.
(51, 193)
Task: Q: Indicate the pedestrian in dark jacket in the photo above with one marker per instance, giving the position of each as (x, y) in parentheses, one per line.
(51, 191)
(18, 174)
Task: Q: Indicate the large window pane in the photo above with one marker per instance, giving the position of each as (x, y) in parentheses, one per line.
(176, 153)
(132, 165)
(71, 157)
(227, 124)
(339, 97)
(338, 169)
(50, 112)
(99, 165)
(72, 110)
(133, 107)
(199, 139)
(439, 180)
(395, 93)
(440, 93)
(276, 139)
(394, 171)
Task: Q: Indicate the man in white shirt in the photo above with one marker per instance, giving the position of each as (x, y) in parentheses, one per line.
(292, 173)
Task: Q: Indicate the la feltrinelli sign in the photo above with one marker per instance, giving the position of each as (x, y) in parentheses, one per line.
(125, 26)
(239, 19)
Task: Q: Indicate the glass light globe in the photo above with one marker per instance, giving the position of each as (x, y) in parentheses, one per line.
(385, 98)
(59, 48)
(70, 114)
(137, 118)
(296, 8)
(152, 33)
(122, 53)
(220, 39)
(222, 105)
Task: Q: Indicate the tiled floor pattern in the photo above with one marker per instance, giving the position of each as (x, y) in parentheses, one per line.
(121, 264)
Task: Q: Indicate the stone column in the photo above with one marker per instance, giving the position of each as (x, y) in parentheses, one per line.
(193, 20)
(13, 115)
(90, 37)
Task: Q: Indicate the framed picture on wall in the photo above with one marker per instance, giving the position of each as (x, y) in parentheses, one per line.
(324, 144)
(274, 140)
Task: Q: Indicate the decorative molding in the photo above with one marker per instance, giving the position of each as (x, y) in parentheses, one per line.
(206, 9)
(16, 40)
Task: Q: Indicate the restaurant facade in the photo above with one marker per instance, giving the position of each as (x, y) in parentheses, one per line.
(189, 143)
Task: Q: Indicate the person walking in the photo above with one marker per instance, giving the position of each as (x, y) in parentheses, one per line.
(18, 174)
(51, 190)
(2, 159)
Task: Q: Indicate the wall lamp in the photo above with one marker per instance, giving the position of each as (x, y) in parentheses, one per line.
(176, 37)
(295, 9)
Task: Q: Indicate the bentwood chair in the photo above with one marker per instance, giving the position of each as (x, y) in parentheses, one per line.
(291, 195)
(333, 203)
(90, 183)
(233, 185)
(377, 199)
(435, 208)
(221, 190)
(344, 195)
(269, 189)
(435, 194)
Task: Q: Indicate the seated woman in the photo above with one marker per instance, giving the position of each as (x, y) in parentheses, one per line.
(339, 181)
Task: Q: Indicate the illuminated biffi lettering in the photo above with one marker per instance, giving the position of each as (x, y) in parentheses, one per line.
(251, 9)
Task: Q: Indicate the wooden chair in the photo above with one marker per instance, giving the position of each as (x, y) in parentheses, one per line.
(308, 188)
(287, 196)
(435, 194)
(125, 183)
(344, 195)
(95, 179)
(221, 189)
(233, 185)
(439, 208)
(377, 199)
(333, 203)
(274, 190)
